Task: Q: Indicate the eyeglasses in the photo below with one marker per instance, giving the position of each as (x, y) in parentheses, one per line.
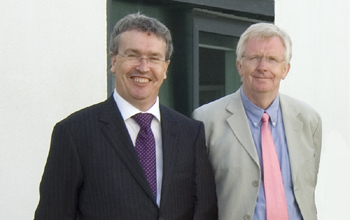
(256, 60)
(135, 59)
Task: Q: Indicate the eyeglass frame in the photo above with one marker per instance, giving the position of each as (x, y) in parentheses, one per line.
(136, 58)
(271, 60)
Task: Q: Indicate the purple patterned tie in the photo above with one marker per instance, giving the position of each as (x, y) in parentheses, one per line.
(146, 149)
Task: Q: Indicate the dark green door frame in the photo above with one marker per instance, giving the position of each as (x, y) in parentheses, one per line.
(217, 23)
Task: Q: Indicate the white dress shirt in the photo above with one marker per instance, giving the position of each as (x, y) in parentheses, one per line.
(127, 111)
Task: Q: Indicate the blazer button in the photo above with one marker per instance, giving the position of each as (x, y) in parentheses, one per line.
(256, 183)
(161, 218)
(246, 217)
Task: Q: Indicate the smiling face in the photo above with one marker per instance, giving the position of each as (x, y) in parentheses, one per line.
(262, 68)
(138, 82)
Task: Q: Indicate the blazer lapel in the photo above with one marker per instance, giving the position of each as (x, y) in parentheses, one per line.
(169, 145)
(118, 135)
(238, 123)
(293, 128)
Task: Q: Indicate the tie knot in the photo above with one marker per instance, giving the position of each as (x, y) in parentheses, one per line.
(143, 119)
(265, 117)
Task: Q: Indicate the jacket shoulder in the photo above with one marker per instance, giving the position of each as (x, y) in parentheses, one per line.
(87, 114)
(298, 107)
(171, 114)
(214, 108)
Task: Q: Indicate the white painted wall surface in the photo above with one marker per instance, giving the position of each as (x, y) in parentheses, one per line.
(52, 63)
(320, 70)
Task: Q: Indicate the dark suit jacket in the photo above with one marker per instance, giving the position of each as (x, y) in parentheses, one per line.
(93, 171)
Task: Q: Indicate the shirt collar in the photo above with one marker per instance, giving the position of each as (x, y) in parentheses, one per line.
(127, 110)
(254, 113)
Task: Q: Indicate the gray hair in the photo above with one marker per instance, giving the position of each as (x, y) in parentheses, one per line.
(264, 31)
(142, 23)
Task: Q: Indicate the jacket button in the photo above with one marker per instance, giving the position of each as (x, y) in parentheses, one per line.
(256, 183)
(246, 217)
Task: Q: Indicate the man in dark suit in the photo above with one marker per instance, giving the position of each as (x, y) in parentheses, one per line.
(95, 169)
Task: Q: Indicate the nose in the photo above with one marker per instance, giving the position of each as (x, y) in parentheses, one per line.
(262, 64)
(143, 65)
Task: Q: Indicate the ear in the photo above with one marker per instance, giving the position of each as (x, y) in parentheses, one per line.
(166, 65)
(239, 67)
(113, 63)
(286, 69)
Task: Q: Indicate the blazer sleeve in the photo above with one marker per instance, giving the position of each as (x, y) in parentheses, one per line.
(317, 136)
(205, 198)
(61, 180)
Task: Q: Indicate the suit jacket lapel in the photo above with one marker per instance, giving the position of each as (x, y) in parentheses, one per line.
(169, 145)
(293, 127)
(239, 125)
(118, 135)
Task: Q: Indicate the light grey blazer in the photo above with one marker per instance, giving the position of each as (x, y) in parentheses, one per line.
(235, 161)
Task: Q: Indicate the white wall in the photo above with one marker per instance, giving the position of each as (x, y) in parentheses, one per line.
(320, 70)
(52, 62)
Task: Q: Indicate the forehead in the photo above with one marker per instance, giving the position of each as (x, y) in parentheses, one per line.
(268, 46)
(142, 42)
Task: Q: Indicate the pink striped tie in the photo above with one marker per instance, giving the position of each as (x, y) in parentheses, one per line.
(276, 205)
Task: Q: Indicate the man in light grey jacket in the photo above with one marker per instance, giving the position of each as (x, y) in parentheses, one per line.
(233, 126)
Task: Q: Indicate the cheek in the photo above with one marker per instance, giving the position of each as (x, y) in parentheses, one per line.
(160, 75)
(246, 74)
(122, 70)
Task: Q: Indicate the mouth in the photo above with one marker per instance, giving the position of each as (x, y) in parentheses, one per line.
(141, 79)
(262, 77)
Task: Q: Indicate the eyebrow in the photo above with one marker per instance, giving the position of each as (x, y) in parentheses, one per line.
(139, 52)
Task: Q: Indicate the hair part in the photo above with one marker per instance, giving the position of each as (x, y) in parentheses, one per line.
(264, 31)
(143, 23)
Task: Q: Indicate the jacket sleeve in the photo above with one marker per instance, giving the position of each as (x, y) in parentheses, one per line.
(205, 199)
(61, 180)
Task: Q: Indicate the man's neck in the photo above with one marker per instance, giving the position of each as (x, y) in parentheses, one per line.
(262, 100)
(141, 105)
